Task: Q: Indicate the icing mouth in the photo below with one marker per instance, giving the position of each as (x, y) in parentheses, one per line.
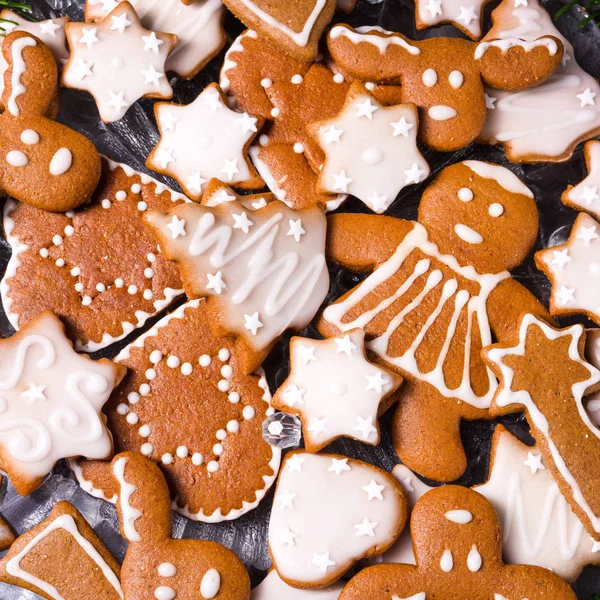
(466, 234)
(441, 112)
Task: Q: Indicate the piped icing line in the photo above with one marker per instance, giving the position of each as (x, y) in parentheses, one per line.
(228, 63)
(68, 524)
(86, 485)
(506, 44)
(380, 42)
(18, 69)
(501, 175)
(129, 512)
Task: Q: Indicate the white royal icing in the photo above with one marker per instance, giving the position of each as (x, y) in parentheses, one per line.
(130, 514)
(586, 195)
(210, 584)
(382, 43)
(506, 44)
(61, 162)
(501, 175)
(18, 69)
(273, 588)
(465, 14)
(312, 534)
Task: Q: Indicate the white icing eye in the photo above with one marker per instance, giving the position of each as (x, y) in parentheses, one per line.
(430, 78)
(465, 194)
(496, 209)
(456, 79)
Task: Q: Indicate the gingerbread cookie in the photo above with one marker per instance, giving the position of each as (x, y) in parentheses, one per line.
(156, 565)
(330, 511)
(51, 403)
(186, 404)
(457, 541)
(335, 390)
(574, 270)
(198, 27)
(274, 588)
(118, 61)
(538, 526)
(546, 122)
(592, 355)
(263, 270)
(439, 291)
(543, 372)
(204, 139)
(444, 76)
(36, 561)
(45, 164)
(97, 267)
(466, 15)
(370, 151)
(586, 195)
(217, 192)
(7, 537)
(295, 27)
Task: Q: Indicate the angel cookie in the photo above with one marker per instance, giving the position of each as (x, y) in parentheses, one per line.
(51, 403)
(444, 77)
(457, 541)
(586, 194)
(335, 390)
(204, 139)
(438, 292)
(574, 270)
(329, 511)
(186, 404)
(118, 61)
(466, 15)
(263, 270)
(96, 267)
(543, 372)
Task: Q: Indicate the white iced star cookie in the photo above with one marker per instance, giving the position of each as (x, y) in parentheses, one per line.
(51, 402)
(118, 61)
(273, 588)
(198, 25)
(371, 150)
(466, 15)
(586, 195)
(205, 139)
(329, 511)
(574, 270)
(335, 390)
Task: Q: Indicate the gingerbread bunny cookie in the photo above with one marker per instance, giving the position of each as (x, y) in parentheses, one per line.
(457, 541)
(156, 565)
(42, 163)
(439, 292)
(444, 76)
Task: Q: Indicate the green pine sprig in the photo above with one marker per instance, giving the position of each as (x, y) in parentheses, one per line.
(23, 8)
(596, 597)
(592, 8)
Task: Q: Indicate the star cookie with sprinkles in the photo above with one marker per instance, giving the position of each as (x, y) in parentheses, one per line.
(574, 270)
(335, 390)
(586, 194)
(205, 139)
(118, 61)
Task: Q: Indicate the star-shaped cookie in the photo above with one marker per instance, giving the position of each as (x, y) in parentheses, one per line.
(466, 15)
(51, 402)
(586, 195)
(335, 390)
(371, 150)
(118, 61)
(574, 270)
(202, 140)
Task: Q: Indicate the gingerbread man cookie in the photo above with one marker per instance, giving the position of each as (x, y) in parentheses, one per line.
(118, 61)
(329, 511)
(438, 292)
(37, 559)
(186, 404)
(156, 565)
(263, 270)
(44, 163)
(457, 541)
(444, 76)
(586, 194)
(542, 371)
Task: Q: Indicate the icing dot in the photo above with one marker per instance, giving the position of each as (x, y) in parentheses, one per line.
(372, 156)
(233, 426)
(166, 458)
(146, 449)
(44, 252)
(173, 362)
(298, 148)
(274, 113)
(456, 79)
(217, 449)
(197, 458)
(234, 397)
(69, 230)
(496, 209)
(136, 188)
(132, 418)
(465, 194)
(106, 203)
(70, 214)
(121, 195)
(60, 262)
(122, 409)
(297, 79)
(119, 283)
(86, 300)
(167, 569)
(182, 451)
(205, 360)
(224, 385)
(430, 77)
(100, 287)
(79, 287)
(155, 356)
(148, 273)
(370, 86)
(266, 83)
(148, 294)
(338, 78)
(263, 140)
(145, 431)
(210, 584)
(30, 137)
(133, 397)
(226, 371)
(212, 466)
(221, 434)
(57, 240)
(150, 374)
(151, 257)
(187, 369)
(142, 206)
(132, 289)
(16, 158)
(248, 413)
(75, 271)
(61, 162)
(224, 354)
(144, 389)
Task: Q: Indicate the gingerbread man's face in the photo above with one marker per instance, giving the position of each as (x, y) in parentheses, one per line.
(481, 214)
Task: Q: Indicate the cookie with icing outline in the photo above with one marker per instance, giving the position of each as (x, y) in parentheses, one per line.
(36, 560)
(156, 565)
(329, 511)
(118, 61)
(586, 194)
(295, 28)
(186, 404)
(97, 267)
(574, 270)
(543, 373)
(444, 76)
(465, 15)
(438, 291)
(198, 26)
(457, 540)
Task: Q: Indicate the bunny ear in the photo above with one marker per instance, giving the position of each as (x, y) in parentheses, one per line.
(31, 80)
(144, 503)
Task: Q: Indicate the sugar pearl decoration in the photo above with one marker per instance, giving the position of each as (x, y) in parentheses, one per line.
(197, 458)
(173, 362)
(121, 195)
(122, 409)
(187, 369)
(132, 418)
(221, 434)
(224, 355)
(248, 413)
(182, 451)
(145, 431)
(166, 458)
(146, 449)
(212, 466)
(133, 397)
(205, 360)
(155, 356)
(144, 389)
(233, 426)
(234, 397)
